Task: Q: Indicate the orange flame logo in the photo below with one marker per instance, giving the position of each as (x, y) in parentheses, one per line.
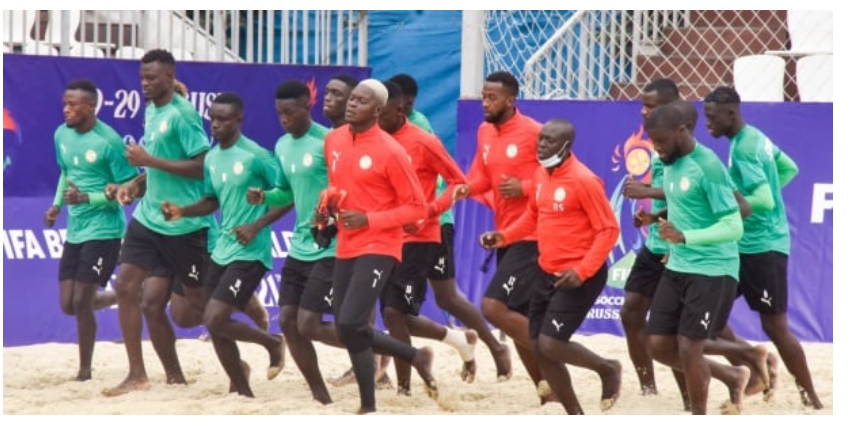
(9, 122)
(636, 156)
(312, 86)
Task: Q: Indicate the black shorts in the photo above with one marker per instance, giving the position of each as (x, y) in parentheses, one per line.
(645, 273)
(307, 284)
(406, 291)
(177, 285)
(236, 282)
(444, 266)
(763, 282)
(559, 312)
(183, 255)
(516, 271)
(90, 262)
(691, 305)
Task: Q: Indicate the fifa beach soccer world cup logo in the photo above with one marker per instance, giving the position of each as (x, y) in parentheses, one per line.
(11, 140)
(632, 159)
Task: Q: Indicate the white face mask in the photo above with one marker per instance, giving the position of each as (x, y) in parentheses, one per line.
(557, 158)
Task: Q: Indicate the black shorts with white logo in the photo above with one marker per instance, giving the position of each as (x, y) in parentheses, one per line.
(407, 288)
(763, 282)
(235, 282)
(516, 271)
(183, 255)
(90, 262)
(307, 285)
(691, 305)
(444, 266)
(645, 273)
(559, 312)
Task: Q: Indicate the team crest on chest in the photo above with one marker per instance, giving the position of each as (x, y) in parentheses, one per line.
(307, 160)
(366, 162)
(91, 156)
(684, 184)
(559, 194)
(164, 126)
(511, 151)
(238, 168)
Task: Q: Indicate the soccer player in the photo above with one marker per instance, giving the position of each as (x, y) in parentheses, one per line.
(406, 292)
(90, 155)
(336, 96)
(306, 277)
(697, 288)
(175, 146)
(505, 162)
(760, 170)
(576, 231)
(382, 194)
(442, 274)
(243, 250)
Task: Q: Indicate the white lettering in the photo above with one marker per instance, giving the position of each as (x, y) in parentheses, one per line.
(610, 300)
(54, 242)
(603, 314)
(620, 274)
(267, 291)
(33, 247)
(280, 251)
(823, 200)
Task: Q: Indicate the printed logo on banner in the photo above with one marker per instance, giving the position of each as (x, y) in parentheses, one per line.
(11, 139)
(629, 159)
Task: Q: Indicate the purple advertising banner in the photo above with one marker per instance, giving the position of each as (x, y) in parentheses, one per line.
(607, 135)
(32, 109)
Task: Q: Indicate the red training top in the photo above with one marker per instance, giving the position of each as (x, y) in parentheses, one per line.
(379, 181)
(576, 226)
(429, 159)
(506, 150)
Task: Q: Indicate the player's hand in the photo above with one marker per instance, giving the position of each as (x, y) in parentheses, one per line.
(245, 233)
(670, 233)
(510, 187)
(171, 212)
(51, 215)
(665, 258)
(111, 191)
(635, 189)
(352, 220)
(570, 279)
(491, 240)
(643, 218)
(461, 191)
(127, 193)
(137, 155)
(255, 196)
(73, 195)
(412, 228)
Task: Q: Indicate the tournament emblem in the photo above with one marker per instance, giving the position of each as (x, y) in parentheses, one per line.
(559, 194)
(511, 151)
(238, 168)
(91, 156)
(365, 162)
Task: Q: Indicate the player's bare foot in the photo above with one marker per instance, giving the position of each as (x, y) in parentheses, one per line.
(468, 372)
(610, 385)
(503, 363)
(759, 380)
(384, 382)
(736, 389)
(246, 371)
(348, 377)
(809, 399)
(276, 358)
(128, 385)
(772, 368)
(545, 393)
(404, 390)
(365, 410)
(175, 377)
(84, 375)
(423, 364)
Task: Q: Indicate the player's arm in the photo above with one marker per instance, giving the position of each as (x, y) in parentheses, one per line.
(787, 168)
(52, 212)
(602, 219)
(449, 171)
(409, 195)
(523, 226)
(760, 199)
(478, 177)
(189, 168)
(635, 189)
(206, 206)
(729, 228)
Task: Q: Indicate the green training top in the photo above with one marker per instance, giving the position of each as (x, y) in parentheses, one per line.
(173, 132)
(228, 174)
(751, 163)
(92, 160)
(654, 243)
(304, 174)
(699, 192)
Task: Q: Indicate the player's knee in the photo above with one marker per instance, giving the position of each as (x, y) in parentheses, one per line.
(288, 324)
(67, 307)
(547, 347)
(392, 316)
(214, 320)
(492, 310)
(83, 304)
(350, 332)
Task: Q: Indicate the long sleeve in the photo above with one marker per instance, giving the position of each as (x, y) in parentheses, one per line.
(728, 228)
(603, 222)
(787, 168)
(412, 203)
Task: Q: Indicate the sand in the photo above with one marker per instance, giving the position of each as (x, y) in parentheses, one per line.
(38, 380)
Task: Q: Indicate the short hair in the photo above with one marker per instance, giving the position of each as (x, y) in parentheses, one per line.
(668, 116)
(506, 79)
(159, 55)
(395, 91)
(406, 83)
(688, 112)
(666, 89)
(723, 95)
(84, 85)
(292, 89)
(231, 99)
(350, 81)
